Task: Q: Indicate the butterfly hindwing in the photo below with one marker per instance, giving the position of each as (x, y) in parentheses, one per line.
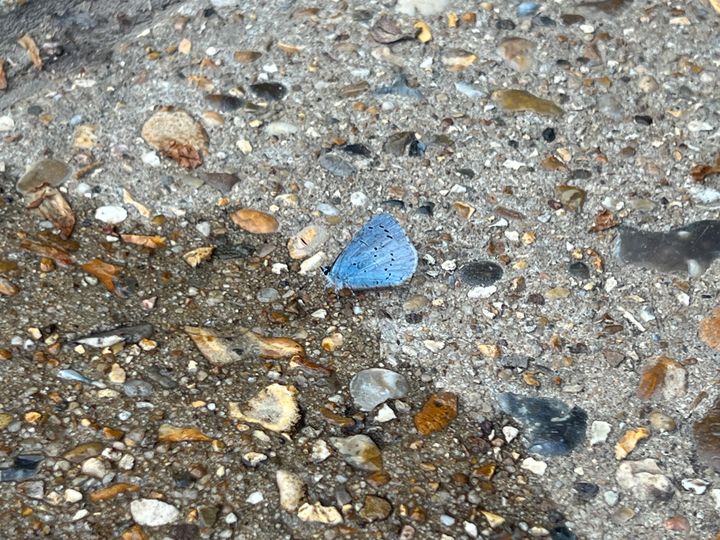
(379, 255)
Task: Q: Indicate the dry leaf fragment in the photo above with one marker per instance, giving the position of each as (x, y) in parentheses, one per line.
(28, 43)
(53, 207)
(386, 30)
(141, 208)
(216, 349)
(3, 78)
(7, 288)
(197, 256)
(274, 408)
(105, 272)
(424, 34)
(246, 57)
(288, 49)
(255, 221)
(152, 242)
(168, 433)
(59, 255)
(272, 347)
(310, 365)
(700, 172)
(87, 169)
(603, 221)
(177, 135)
(185, 155)
(203, 83)
(629, 441)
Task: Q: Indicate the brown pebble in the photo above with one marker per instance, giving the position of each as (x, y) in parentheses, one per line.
(254, 221)
(135, 533)
(677, 523)
(437, 413)
(378, 479)
(375, 508)
(710, 330)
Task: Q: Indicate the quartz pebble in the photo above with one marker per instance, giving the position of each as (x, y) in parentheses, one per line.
(153, 513)
(372, 387)
(292, 490)
(360, 452)
(644, 480)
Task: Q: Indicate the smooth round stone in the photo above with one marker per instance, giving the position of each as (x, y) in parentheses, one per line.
(268, 295)
(372, 387)
(111, 215)
(358, 198)
(47, 171)
(279, 129)
(480, 273)
(138, 389)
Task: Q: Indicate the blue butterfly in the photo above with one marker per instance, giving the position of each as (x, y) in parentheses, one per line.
(379, 255)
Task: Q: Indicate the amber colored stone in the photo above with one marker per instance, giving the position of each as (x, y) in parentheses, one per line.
(135, 533)
(113, 491)
(710, 330)
(437, 413)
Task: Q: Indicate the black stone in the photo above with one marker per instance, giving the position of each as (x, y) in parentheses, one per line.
(357, 149)
(643, 120)
(426, 209)
(562, 533)
(394, 203)
(552, 427)
(413, 318)
(579, 270)
(416, 148)
(505, 24)
(480, 273)
(269, 91)
(586, 491)
(548, 134)
(580, 174)
(543, 20)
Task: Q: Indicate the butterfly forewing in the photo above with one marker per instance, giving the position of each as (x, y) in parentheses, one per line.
(379, 255)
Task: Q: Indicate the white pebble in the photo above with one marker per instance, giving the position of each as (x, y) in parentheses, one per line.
(510, 433)
(385, 414)
(150, 158)
(358, 198)
(153, 513)
(278, 128)
(534, 466)
(111, 214)
(599, 432)
(6, 123)
(72, 495)
(256, 497)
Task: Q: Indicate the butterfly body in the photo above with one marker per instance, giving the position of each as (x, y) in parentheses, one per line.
(379, 255)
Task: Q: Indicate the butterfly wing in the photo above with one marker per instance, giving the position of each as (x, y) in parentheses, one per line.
(379, 255)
